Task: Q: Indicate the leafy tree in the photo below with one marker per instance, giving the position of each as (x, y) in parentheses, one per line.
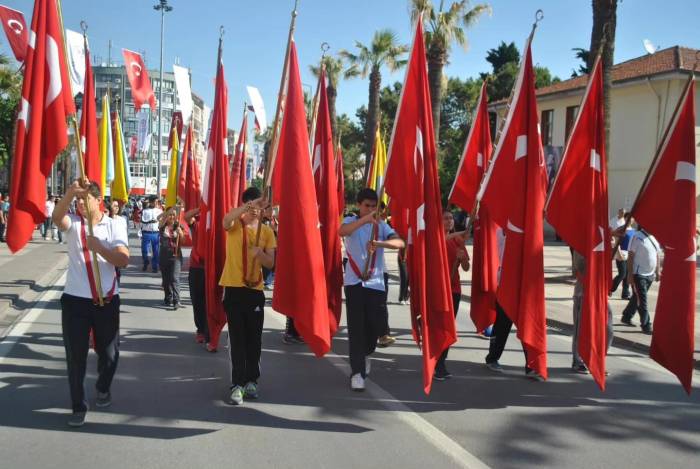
(584, 56)
(384, 50)
(335, 69)
(444, 27)
(10, 92)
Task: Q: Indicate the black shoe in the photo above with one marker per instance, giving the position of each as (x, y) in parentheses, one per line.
(626, 321)
(626, 297)
(176, 305)
(77, 419)
(442, 375)
(580, 369)
(647, 330)
(145, 268)
(154, 270)
(104, 399)
(167, 303)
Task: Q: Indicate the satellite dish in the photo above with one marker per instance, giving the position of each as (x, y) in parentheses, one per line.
(649, 46)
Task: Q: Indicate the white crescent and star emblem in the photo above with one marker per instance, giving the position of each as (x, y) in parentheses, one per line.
(137, 68)
(16, 26)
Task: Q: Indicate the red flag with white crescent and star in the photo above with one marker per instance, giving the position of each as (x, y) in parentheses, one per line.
(41, 132)
(514, 191)
(327, 196)
(475, 160)
(238, 182)
(340, 177)
(412, 163)
(666, 208)
(141, 90)
(16, 30)
(215, 203)
(189, 186)
(578, 210)
(300, 277)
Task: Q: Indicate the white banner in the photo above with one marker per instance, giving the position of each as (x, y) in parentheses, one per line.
(76, 60)
(258, 107)
(184, 92)
(142, 132)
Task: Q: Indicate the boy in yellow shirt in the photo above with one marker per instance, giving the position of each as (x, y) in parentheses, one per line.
(244, 299)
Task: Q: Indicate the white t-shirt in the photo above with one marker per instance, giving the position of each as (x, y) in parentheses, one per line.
(645, 249)
(112, 234)
(149, 219)
(49, 208)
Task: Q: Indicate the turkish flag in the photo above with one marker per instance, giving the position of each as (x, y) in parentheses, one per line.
(475, 160)
(413, 164)
(514, 191)
(41, 123)
(300, 277)
(16, 30)
(238, 167)
(578, 211)
(89, 141)
(666, 208)
(141, 90)
(216, 202)
(325, 179)
(340, 177)
(189, 186)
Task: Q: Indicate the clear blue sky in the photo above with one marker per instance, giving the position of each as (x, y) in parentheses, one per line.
(256, 33)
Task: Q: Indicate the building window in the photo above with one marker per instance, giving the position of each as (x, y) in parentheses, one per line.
(547, 126)
(571, 113)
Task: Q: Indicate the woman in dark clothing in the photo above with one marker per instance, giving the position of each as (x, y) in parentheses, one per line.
(170, 257)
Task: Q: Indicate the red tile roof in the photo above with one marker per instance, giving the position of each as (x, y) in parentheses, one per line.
(673, 59)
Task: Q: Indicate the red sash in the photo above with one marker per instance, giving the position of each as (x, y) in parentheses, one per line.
(90, 272)
(373, 262)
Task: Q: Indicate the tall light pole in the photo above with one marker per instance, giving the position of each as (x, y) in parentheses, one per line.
(163, 7)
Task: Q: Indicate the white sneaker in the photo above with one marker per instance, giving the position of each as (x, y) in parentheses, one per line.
(357, 382)
(368, 365)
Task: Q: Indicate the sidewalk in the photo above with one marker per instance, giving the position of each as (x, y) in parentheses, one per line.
(559, 287)
(26, 275)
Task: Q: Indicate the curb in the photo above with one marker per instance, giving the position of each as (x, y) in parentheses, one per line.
(32, 296)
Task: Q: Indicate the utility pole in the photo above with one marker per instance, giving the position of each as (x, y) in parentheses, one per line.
(163, 7)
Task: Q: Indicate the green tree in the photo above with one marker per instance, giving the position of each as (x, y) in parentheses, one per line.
(10, 92)
(384, 50)
(352, 142)
(444, 27)
(583, 55)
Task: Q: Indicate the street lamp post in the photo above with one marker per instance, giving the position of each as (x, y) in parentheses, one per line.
(163, 7)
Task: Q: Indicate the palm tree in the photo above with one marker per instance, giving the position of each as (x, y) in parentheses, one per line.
(604, 24)
(335, 68)
(444, 27)
(384, 50)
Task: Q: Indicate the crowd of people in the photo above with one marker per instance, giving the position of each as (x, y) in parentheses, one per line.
(92, 314)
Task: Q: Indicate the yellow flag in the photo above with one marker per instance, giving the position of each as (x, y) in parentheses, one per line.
(120, 185)
(379, 165)
(106, 153)
(171, 194)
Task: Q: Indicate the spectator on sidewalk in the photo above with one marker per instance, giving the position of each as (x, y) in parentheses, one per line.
(3, 221)
(621, 238)
(195, 279)
(170, 256)
(364, 293)
(47, 225)
(150, 235)
(113, 213)
(403, 277)
(643, 268)
(577, 364)
(457, 257)
(244, 300)
(80, 309)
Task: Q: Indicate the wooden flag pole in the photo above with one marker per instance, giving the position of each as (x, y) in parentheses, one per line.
(314, 106)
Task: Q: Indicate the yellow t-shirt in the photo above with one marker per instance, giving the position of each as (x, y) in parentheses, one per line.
(232, 275)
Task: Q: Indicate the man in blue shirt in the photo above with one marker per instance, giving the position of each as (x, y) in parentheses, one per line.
(366, 237)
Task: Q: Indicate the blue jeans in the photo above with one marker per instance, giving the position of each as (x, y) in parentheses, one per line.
(150, 238)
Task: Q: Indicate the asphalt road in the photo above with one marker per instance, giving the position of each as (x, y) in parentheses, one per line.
(169, 405)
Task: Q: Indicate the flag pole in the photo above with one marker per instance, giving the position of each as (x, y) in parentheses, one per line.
(314, 106)
(380, 194)
(81, 162)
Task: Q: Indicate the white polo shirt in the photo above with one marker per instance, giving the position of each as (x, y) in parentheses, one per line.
(112, 234)
(645, 249)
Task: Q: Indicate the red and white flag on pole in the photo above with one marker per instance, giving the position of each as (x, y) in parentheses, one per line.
(88, 127)
(340, 177)
(475, 160)
(189, 187)
(666, 208)
(300, 277)
(141, 90)
(16, 31)
(514, 191)
(41, 124)
(326, 183)
(413, 164)
(238, 182)
(216, 202)
(578, 210)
